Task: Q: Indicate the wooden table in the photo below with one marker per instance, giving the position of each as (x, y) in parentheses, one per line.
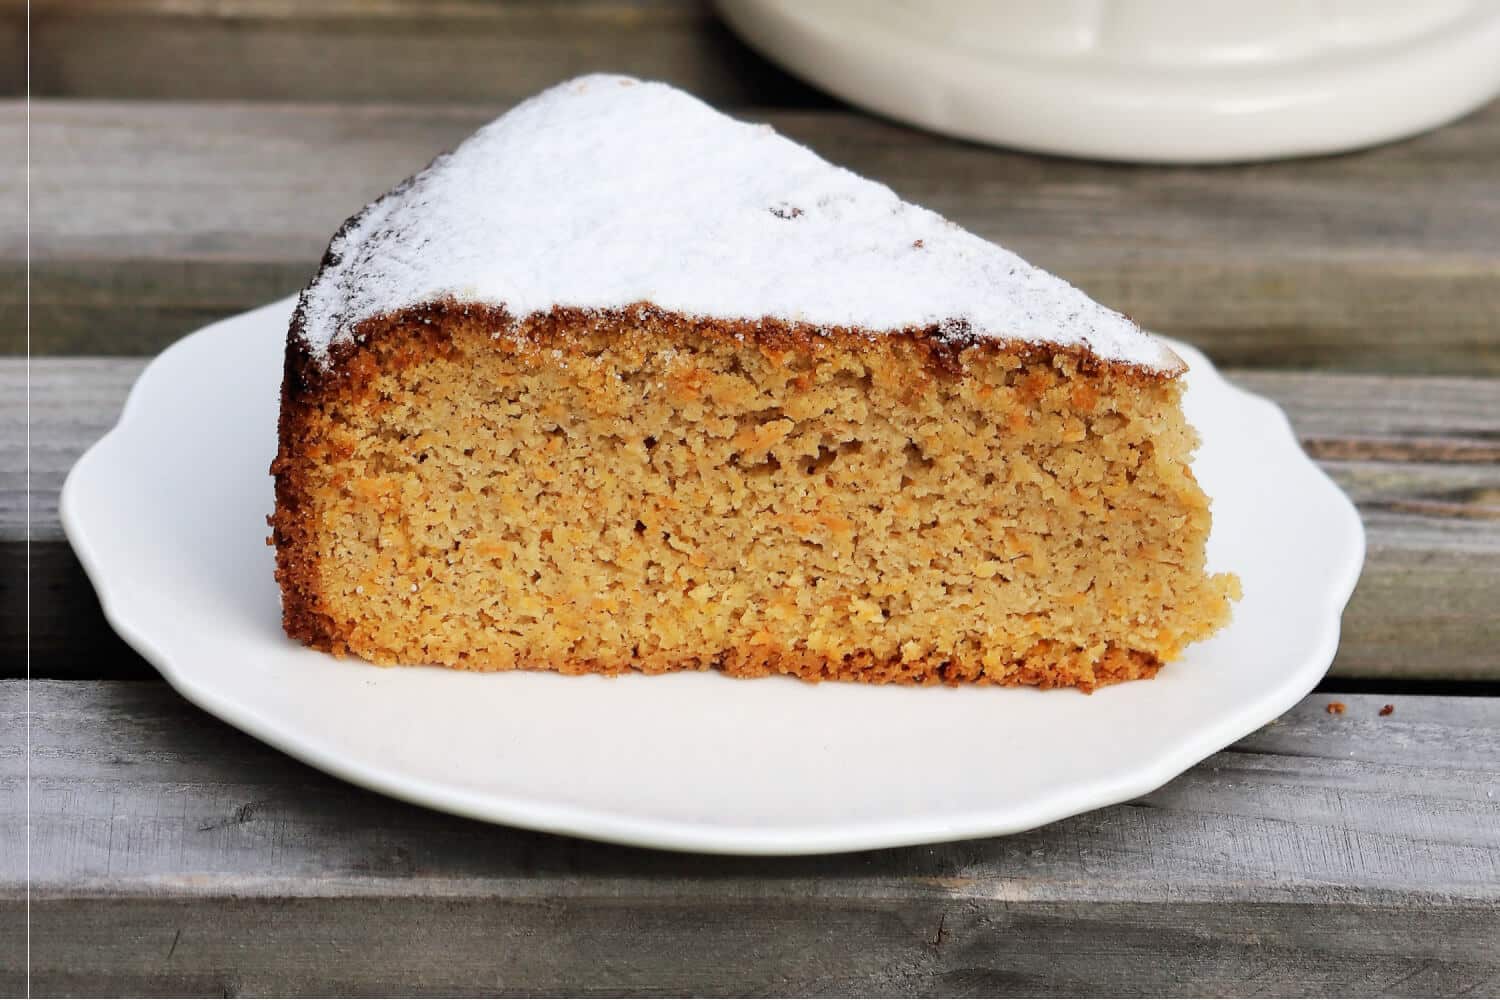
(190, 159)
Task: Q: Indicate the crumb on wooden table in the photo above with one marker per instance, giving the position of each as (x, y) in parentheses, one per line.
(1335, 708)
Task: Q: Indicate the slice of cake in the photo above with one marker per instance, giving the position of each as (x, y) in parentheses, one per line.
(625, 384)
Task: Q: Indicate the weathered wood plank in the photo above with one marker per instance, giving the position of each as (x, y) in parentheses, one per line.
(1418, 455)
(1418, 614)
(389, 50)
(1373, 418)
(603, 946)
(1347, 854)
(1425, 447)
(152, 217)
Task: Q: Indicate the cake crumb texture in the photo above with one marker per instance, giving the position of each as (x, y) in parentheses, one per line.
(602, 491)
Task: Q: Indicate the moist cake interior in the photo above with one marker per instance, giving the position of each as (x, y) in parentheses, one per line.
(598, 491)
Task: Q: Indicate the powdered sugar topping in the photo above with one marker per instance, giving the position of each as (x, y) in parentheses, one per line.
(605, 192)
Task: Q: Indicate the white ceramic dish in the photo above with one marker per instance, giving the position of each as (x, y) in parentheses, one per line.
(1180, 81)
(167, 513)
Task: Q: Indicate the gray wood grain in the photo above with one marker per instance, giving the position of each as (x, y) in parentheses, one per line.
(1417, 454)
(390, 50)
(1351, 854)
(153, 217)
(1409, 419)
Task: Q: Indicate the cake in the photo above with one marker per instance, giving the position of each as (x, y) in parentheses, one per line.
(622, 383)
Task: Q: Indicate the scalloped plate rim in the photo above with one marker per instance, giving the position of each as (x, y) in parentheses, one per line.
(606, 825)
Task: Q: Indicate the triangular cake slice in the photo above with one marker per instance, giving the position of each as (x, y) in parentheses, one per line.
(625, 384)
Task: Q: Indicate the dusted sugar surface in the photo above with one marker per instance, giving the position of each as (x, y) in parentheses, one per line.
(605, 192)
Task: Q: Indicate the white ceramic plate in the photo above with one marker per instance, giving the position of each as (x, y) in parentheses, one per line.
(167, 513)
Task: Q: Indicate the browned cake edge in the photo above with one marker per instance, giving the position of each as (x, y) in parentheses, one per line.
(424, 332)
